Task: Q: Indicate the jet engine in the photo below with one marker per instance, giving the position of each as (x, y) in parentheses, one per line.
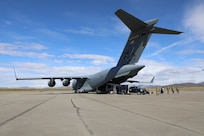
(51, 83)
(66, 82)
(74, 81)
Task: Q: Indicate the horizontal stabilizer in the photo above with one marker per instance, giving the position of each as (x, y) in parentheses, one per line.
(159, 30)
(134, 81)
(130, 21)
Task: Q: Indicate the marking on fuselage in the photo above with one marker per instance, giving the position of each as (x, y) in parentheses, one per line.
(134, 37)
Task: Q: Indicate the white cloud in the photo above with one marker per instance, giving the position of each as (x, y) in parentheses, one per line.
(121, 27)
(18, 36)
(198, 62)
(188, 52)
(3, 70)
(6, 22)
(75, 71)
(40, 69)
(95, 59)
(29, 66)
(23, 49)
(167, 74)
(164, 73)
(31, 46)
(52, 33)
(181, 42)
(115, 27)
(28, 69)
(194, 20)
(82, 30)
(164, 48)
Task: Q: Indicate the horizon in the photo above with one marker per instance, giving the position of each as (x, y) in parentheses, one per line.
(201, 84)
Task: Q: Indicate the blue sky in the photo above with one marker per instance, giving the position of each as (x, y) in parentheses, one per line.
(66, 38)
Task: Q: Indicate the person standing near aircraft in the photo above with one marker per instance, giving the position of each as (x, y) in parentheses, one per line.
(172, 90)
(177, 90)
(167, 90)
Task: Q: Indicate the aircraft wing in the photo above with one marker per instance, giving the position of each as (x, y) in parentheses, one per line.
(61, 78)
(53, 78)
(134, 81)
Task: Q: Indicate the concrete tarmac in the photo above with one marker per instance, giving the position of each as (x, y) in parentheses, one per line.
(53, 113)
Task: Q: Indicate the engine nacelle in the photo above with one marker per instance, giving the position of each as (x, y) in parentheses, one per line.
(74, 81)
(51, 83)
(66, 82)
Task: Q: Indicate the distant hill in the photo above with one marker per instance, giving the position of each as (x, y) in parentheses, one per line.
(201, 83)
(188, 84)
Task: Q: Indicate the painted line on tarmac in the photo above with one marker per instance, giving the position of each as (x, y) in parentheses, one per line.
(145, 116)
(22, 113)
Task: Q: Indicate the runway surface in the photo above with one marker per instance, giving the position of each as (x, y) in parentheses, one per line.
(53, 113)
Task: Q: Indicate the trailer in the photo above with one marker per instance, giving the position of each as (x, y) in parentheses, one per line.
(122, 89)
(137, 90)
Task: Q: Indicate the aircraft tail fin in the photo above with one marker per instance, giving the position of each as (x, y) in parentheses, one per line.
(139, 36)
(134, 23)
(130, 21)
(159, 30)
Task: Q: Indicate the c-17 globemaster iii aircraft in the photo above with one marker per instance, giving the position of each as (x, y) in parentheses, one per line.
(125, 68)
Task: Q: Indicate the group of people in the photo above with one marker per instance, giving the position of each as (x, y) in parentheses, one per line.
(168, 89)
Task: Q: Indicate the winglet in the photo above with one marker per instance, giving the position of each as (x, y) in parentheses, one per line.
(152, 80)
(15, 73)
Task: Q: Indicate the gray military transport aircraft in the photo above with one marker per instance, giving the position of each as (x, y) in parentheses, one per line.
(125, 68)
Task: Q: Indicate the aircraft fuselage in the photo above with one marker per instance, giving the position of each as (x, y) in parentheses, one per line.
(140, 33)
(113, 75)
